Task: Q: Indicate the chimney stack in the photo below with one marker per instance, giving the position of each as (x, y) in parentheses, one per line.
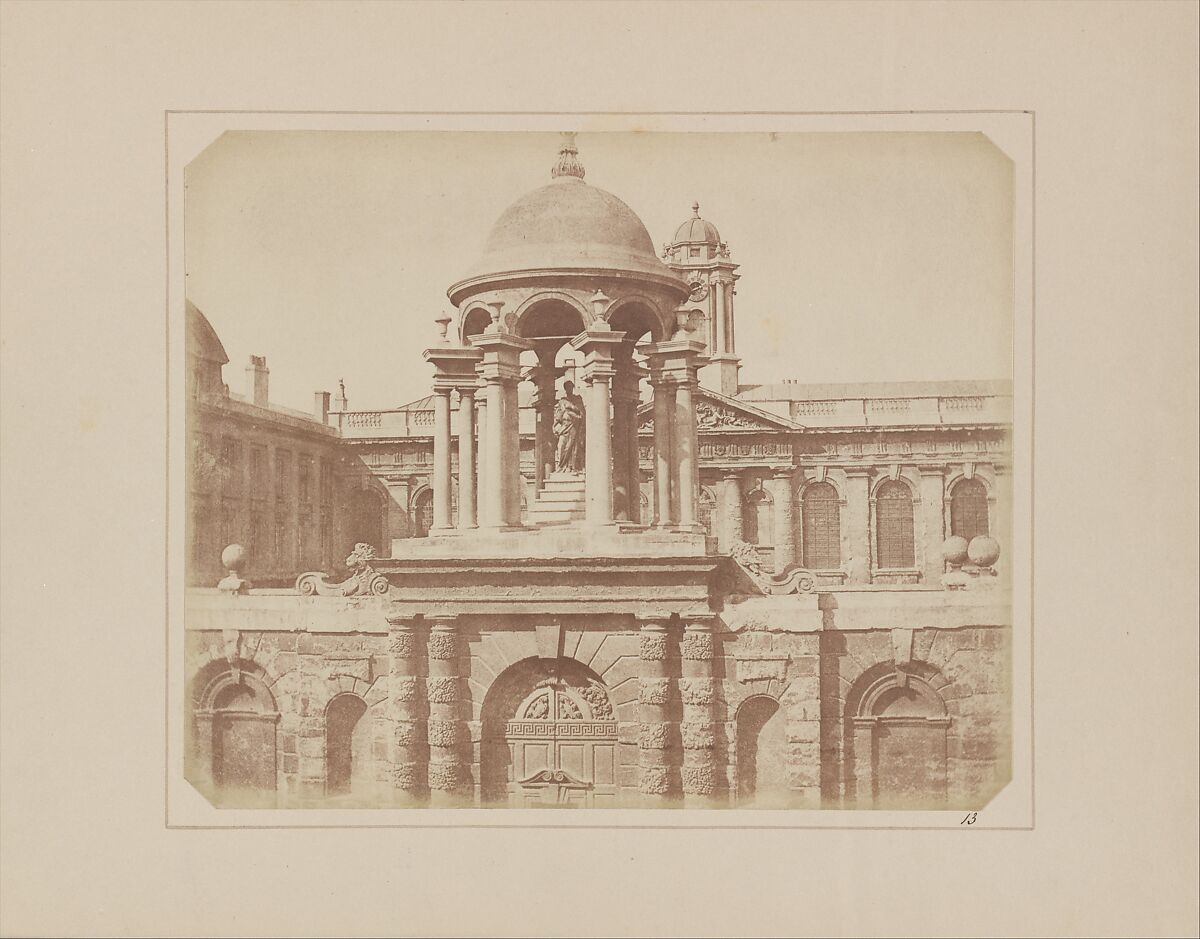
(321, 406)
(256, 380)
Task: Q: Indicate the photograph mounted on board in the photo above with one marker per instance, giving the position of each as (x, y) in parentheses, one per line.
(633, 470)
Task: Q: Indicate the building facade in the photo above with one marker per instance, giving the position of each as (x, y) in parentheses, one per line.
(752, 595)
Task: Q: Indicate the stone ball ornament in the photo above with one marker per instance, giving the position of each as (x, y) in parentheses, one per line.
(983, 551)
(954, 549)
(233, 558)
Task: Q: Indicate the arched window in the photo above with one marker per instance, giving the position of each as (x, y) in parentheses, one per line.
(423, 514)
(894, 525)
(756, 520)
(822, 527)
(969, 509)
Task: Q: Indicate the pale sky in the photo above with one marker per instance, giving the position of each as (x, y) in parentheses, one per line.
(864, 256)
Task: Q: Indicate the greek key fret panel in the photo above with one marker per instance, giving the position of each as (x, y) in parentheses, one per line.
(561, 729)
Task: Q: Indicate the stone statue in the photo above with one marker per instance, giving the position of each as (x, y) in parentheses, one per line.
(569, 431)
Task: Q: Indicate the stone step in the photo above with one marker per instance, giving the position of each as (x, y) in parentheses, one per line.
(552, 518)
(558, 498)
(563, 485)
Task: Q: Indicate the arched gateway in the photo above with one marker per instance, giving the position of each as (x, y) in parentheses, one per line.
(549, 737)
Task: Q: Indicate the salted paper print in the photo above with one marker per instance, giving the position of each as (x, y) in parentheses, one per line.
(556, 515)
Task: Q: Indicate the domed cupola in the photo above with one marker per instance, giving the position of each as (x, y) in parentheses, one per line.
(696, 241)
(700, 257)
(566, 226)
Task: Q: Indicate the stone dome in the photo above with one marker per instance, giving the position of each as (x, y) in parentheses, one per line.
(569, 225)
(696, 230)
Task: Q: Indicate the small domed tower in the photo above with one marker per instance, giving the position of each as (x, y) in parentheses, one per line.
(698, 254)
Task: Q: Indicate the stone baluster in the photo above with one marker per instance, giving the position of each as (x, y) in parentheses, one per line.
(696, 689)
(410, 752)
(654, 693)
(446, 730)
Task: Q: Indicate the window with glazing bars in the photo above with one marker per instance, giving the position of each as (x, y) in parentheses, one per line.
(894, 525)
(821, 534)
(969, 509)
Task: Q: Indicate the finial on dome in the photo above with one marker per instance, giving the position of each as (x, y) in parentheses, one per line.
(695, 210)
(568, 159)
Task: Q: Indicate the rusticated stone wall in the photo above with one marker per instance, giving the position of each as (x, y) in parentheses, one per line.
(672, 710)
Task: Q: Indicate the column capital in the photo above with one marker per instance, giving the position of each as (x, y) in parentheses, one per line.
(498, 350)
(453, 362)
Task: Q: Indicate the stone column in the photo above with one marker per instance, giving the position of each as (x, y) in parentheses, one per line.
(455, 366)
(932, 509)
(409, 748)
(857, 522)
(466, 458)
(731, 523)
(598, 343)
(493, 498)
(686, 454)
(696, 688)
(664, 446)
(501, 500)
(783, 498)
(446, 729)
(718, 289)
(626, 481)
(633, 448)
(544, 376)
(441, 459)
(727, 293)
(654, 693)
(673, 366)
(598, 476)
(481, 484)
(511, 455)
